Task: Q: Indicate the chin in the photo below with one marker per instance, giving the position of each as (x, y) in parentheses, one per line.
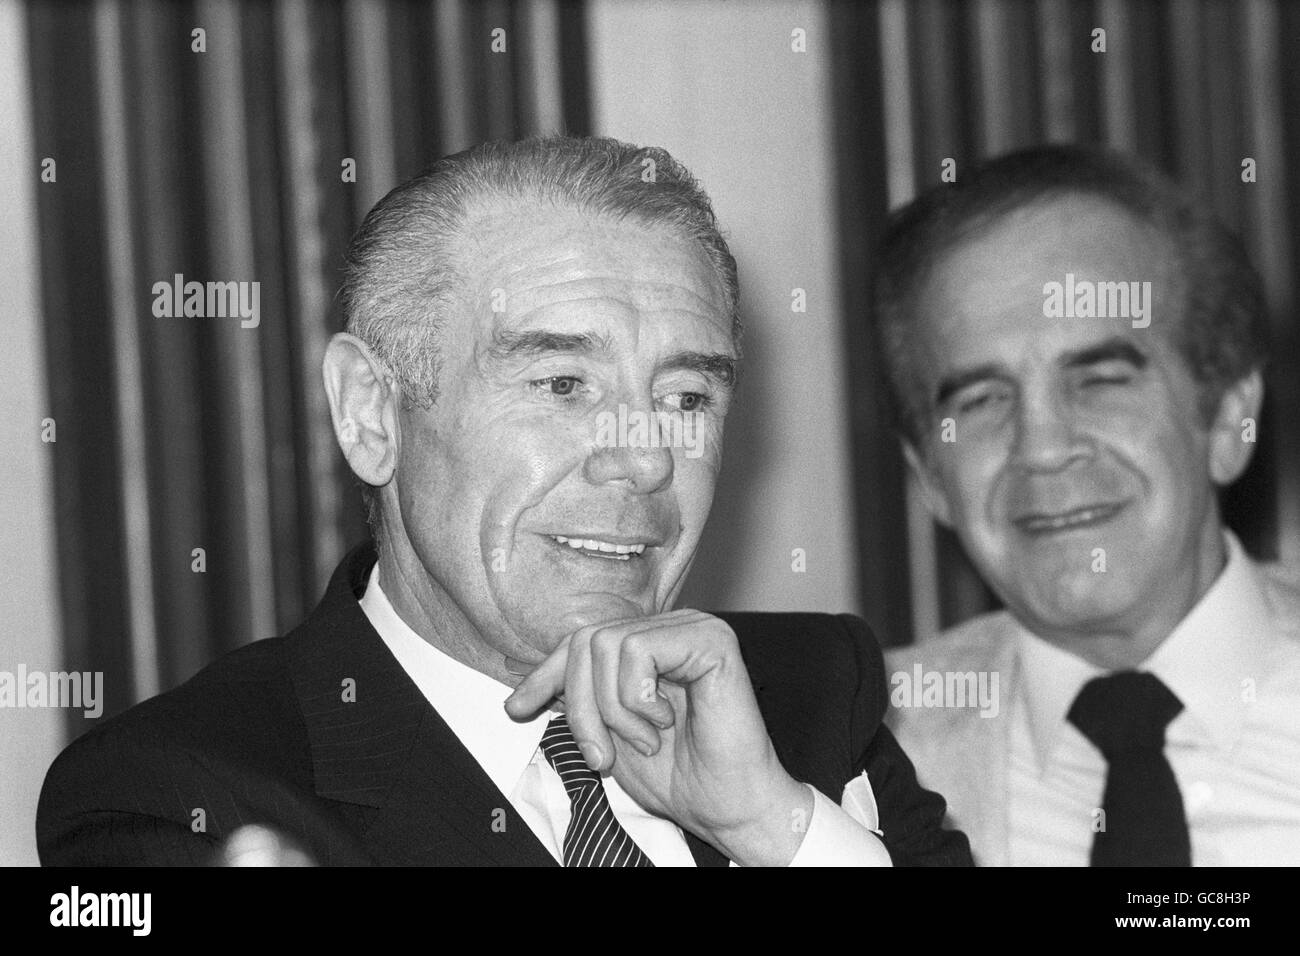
(543, 643)
(544, 629)
(1077, 602)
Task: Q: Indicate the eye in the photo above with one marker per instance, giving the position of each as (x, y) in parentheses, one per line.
(1106, 373)
(693, 401)
(687, 401)
(983, 399)
(1117, 379)
(561, 386)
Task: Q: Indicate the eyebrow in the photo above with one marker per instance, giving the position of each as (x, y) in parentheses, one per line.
(716, 365)
(1111, 350)
(508, 344)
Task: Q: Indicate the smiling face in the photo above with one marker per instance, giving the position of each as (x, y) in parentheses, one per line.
(1076, 443)
(517, 509)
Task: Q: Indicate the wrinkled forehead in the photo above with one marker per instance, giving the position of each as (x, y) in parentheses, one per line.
(1004, 269)
(533, 264)
(1036, 242)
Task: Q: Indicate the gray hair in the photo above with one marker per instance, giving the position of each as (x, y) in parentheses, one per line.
(401, 278)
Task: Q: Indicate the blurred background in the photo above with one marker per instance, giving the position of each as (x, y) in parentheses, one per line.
(806, 121)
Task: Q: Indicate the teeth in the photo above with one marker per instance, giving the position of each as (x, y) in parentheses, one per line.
(1064, 521)
(590, 544)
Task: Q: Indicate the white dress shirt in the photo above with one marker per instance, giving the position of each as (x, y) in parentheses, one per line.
(1234, 662)
(472, 704)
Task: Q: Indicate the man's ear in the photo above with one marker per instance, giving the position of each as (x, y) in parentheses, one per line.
(936, 499)
(363, 405)
(1233, 430)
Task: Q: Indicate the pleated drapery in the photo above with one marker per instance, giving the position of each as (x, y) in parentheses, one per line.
(201, 499)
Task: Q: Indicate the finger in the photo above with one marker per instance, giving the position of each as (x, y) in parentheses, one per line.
(255, 845)
(638, 689)
(606, 646)
(695, 651)
(543, 685)
(585, 720)
(517, 667)
(645, 659)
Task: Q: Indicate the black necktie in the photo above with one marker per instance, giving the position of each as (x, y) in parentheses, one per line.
(594, 837)
(1125, 715)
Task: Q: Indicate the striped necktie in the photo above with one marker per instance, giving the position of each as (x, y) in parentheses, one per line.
(594, 837)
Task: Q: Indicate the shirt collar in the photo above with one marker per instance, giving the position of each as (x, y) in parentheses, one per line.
(471, 703)
(1049, 679)
(1219, 646)
(1204, 661)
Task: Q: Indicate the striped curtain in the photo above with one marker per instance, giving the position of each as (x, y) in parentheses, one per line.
(1194, 86)
(201, 500)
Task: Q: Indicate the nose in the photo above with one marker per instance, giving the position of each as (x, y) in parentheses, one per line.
(640, 457)
(1046, 436)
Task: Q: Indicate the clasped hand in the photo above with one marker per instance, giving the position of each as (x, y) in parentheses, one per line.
(665, 704)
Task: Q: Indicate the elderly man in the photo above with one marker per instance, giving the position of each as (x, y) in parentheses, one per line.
(502, 309)
(1076, 351)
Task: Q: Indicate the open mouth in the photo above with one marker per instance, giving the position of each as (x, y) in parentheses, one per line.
(596, 548)
(1084, 517)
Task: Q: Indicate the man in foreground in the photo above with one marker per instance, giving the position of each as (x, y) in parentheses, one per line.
(1077, 350)
(500, 309)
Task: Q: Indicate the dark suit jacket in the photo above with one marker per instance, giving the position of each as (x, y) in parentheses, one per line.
(264, 735)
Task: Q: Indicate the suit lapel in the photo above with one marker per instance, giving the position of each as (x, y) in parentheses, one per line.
(443, 808)
(377, 745)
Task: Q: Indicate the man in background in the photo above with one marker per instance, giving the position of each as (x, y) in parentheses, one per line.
(1076, 351)
(504, 678)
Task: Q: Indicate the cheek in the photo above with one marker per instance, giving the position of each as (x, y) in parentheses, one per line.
(517, 485)
(450, 480)
(695, 478)
(521, 465)
(426, 463)
(970, 476)
(1168, 452)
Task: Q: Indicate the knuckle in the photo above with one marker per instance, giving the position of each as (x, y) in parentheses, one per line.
(636, 645)
(721, 631)
(582, 636)
(605, 642)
